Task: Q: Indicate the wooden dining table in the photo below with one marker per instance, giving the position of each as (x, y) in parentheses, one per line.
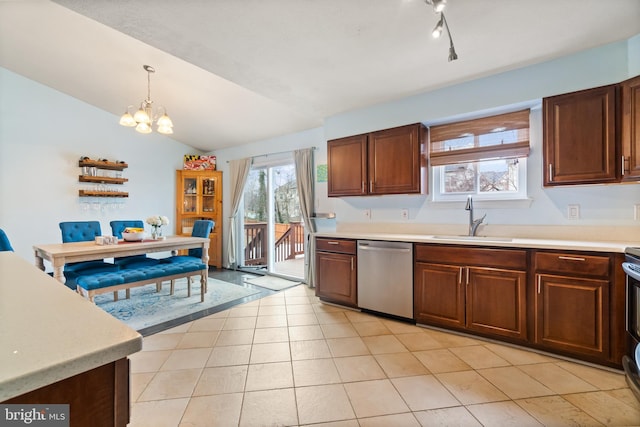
(59, 254)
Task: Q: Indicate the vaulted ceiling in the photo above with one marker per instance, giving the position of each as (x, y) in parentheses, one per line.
(237, 71)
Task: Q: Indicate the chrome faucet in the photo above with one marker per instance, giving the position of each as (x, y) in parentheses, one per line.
(473, 224)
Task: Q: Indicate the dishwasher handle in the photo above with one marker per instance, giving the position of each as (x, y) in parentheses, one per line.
(383, 249)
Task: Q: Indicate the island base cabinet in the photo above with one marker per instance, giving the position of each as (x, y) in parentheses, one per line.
(96, 398)
(572, 315)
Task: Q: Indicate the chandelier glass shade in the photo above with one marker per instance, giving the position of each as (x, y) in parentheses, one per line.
(144, 118)
(438, 7)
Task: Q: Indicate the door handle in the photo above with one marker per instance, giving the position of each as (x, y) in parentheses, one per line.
(571, 258)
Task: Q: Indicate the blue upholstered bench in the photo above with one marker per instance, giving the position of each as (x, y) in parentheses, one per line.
(90, 285)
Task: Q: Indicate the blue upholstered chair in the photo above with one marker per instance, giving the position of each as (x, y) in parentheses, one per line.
(82, 231)
(117, 227)
(201, 228)
(5, 244)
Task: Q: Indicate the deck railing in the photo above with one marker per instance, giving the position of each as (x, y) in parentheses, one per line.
(289, 243)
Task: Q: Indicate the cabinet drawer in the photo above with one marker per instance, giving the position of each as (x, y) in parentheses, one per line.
(336, 245)
(578, 264)
(513, 259)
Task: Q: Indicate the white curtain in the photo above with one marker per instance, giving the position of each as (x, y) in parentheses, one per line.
(304, 179)
(238, 171)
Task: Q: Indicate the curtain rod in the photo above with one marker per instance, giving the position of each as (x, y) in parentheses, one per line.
(278, 152)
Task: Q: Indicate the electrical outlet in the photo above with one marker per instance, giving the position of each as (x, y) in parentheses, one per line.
(573, 212)
(636, 212)
(404, 214)
(367, 213)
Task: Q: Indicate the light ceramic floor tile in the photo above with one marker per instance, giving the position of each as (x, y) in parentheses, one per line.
(266, 335)
(270, 352)
(148, 361)
(221, 380)
(207, 324)
(328, 308)
(159, 413)
(625, 395)
(557, 379)
(347, 423)
(302, 319)
(503, 414)
(424, 392)
(452, 340)
(310, 349)
(374, 398)
(604, 380)
(341, 347)
(445, 417)
(315, 372)
(400, 365)
(233, 323)
(236, 337)
(331, 318)
(514, 383)
(243, 311)
(206, 411)
(307, 332)
(358, 368)
(357, 317)
(556, 411)
(441, 360)
(198, 339)
(323, 403)
(384, 344)
(517, 356)
(479, 357)
(418, 341)
(187, 359)
(338, 330)
(180, 329)
(229, 355)
(398, 420)
(605, 408)
(276, 407)
(274, 321)
(171, 385)
(138, 382)
(296, 300)
(397, 327)
(277, 299)
(470, 388)
(267, 376)
(161, 342)
(272, 310)
(300, 309)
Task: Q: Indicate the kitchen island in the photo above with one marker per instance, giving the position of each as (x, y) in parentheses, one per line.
(58, 348)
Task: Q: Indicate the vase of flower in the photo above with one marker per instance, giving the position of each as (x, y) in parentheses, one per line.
(156, 222)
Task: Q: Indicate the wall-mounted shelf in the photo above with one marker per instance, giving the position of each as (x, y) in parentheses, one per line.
(115, 166)
(91, 193)
(102, 179)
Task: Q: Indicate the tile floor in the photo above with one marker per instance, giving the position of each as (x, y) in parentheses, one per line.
(289, 360)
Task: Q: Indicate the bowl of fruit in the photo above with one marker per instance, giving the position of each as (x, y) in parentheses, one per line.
(133, 234)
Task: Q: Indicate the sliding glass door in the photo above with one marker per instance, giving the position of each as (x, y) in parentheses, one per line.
(272, 229)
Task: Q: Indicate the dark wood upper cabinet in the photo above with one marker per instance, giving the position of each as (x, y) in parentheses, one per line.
(630, 134)
(391, 161)
(580, 138)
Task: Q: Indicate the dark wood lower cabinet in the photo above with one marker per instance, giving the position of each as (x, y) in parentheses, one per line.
(96, 398)
(336, 271)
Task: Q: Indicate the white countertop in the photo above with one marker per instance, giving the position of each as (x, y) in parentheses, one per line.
(570, 245)
(49, 333)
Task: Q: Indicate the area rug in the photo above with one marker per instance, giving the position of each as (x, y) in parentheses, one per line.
(147, 308)
(271, 282)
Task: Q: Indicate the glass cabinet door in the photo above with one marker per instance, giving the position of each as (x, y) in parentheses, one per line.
(190, 197)
(208, 194)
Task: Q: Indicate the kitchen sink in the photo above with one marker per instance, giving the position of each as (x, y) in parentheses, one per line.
(474, 238)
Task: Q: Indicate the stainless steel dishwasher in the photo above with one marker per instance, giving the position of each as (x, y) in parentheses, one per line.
(385, 277)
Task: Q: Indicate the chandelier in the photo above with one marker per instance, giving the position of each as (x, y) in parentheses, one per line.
(144, 118)
(438, 7)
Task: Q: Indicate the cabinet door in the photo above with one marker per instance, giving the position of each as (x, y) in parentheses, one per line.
(438, 296)
(336, 277)
(631, 127)
(496, 302)
(580, 137)
(572, 315)
(395, 161)
(347, 166)
(188, 194)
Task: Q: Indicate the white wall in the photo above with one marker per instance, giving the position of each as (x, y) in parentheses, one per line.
(43, 133)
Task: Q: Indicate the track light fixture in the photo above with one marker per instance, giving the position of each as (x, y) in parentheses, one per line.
(144, 117)
(438, 7)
